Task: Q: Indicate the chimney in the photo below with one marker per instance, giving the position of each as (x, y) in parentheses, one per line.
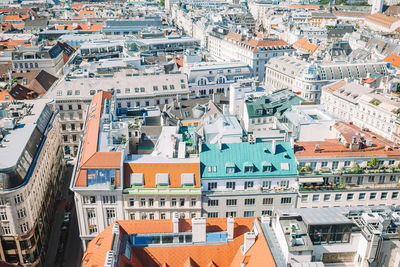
(175, 223)
(249, 240)
(273, 148)
(230, 227)
(219, 144)
(200, 145)
(199, 230)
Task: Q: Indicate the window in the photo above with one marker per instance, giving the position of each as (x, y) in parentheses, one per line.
(109, 199)
(395, 195)
(18, 198)
(371, 179)
(131, 202)
(315, 198)
(268, 201)
(250, 201)
(248, 169)
(230, 214)
(21, 213)
(348, 179)
(392, 178)
(338, 197)
(155, 88)
(384, 195)
(327, 197)
(324, 164)
(151, 202)
(248, 214)
(110, 213)
(89, 199)
(391, 162)
(64, 127)
(162, 202)
(212, 214)
(350, 196)
(230, 169)
(173, 202)
(304, 198)
(286, 200)
(212, 186)
(231, 202)
(382, 179)
(193, 202)
(335, 165)
(347, 163)
(73, 127)
(372, 196)
(230, 185)
(24, 227)
(285, 183)
(65, 138)
(128, 90)
(142, 89)
(3, 216)
(164, 87)
(361, 196)
(212, 202)
(248, 184)
(266, 212)
(212, 168)
(162, 216)
(266, 184)
(6, 230)
(142, 202)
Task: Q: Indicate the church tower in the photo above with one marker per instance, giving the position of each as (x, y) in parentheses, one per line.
(377, 7)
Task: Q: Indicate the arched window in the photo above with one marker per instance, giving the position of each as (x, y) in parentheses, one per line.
(202, 81)
(221, 80)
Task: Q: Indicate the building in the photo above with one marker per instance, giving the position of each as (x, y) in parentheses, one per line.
(377, 6)
(132, 26)
(182, 242)
(111, 184)
(30, 171)
(322, 19)
(382, 22)
(99, 49)
(356, 236)
(247, 184)
(254, 51)
(356, 103)
(50, 60)
(207, 78)
(355, 168)
(307, 123)
(224, 128)
(261, 114)
(307, 79)
(73, 96)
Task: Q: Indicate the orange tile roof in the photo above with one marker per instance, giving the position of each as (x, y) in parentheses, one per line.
(199, 255)
(382, 19)
(303, 44)
(335, 148)
(4, 94)
(87, 13)
(15, 17)
(258, 255)
(305, 7)
(394, 59)
(12, 44)
(150, 170)
(254, 43)
(90, 158)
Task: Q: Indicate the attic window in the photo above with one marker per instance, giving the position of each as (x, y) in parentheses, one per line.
(187, 179)
(230, 167)
(137, 179)
(162, 179)
(266, 166)
(248, 167)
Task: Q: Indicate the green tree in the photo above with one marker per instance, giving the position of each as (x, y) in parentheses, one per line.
(373, 163)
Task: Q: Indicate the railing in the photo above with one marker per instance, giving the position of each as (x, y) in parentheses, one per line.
(349, 171)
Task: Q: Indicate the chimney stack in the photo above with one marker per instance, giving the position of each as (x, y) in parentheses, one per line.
(273, 148)
(199, 230)
(249, 240)
(230, 228)
(219, 144)
(175, 223)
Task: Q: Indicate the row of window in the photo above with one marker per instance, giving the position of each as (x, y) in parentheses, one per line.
(248, 184)
(335, 164)
(70, 107)
(350, 196)
(247, 202)
(247, 213)
(143, 202)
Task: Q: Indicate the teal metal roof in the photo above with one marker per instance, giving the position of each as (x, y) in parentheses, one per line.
(271, 105)
(239, 155)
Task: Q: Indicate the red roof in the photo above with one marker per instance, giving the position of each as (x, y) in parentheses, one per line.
(255, 43)
(394, 59)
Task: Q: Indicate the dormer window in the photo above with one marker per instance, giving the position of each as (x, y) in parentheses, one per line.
(266, 166)
(248, 167)
(230, 167)
(137, 179)
(187, 179)
(259, 112)
(212, 168)
(162, 179)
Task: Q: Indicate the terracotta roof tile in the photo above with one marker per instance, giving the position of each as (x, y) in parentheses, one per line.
(394, 59)
(382, 19)
(150, 170)
(254, 43)
(305, 7)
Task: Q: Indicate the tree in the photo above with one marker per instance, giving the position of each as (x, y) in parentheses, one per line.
(373, 163)
(161, 3)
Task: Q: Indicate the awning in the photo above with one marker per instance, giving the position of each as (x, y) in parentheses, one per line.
(311, 180)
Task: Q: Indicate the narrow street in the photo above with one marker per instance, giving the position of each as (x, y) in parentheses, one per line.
(65, 249)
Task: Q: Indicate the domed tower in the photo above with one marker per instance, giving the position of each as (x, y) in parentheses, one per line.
(377, 6)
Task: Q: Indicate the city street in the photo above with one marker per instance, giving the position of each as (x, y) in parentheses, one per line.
(65, 249)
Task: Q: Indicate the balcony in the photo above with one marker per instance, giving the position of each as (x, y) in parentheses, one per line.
(343, 171)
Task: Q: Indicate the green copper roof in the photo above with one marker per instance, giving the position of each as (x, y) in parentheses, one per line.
(240, 155)
(272, 105)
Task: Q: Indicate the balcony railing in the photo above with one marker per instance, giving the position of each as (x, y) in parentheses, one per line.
(364, 170)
